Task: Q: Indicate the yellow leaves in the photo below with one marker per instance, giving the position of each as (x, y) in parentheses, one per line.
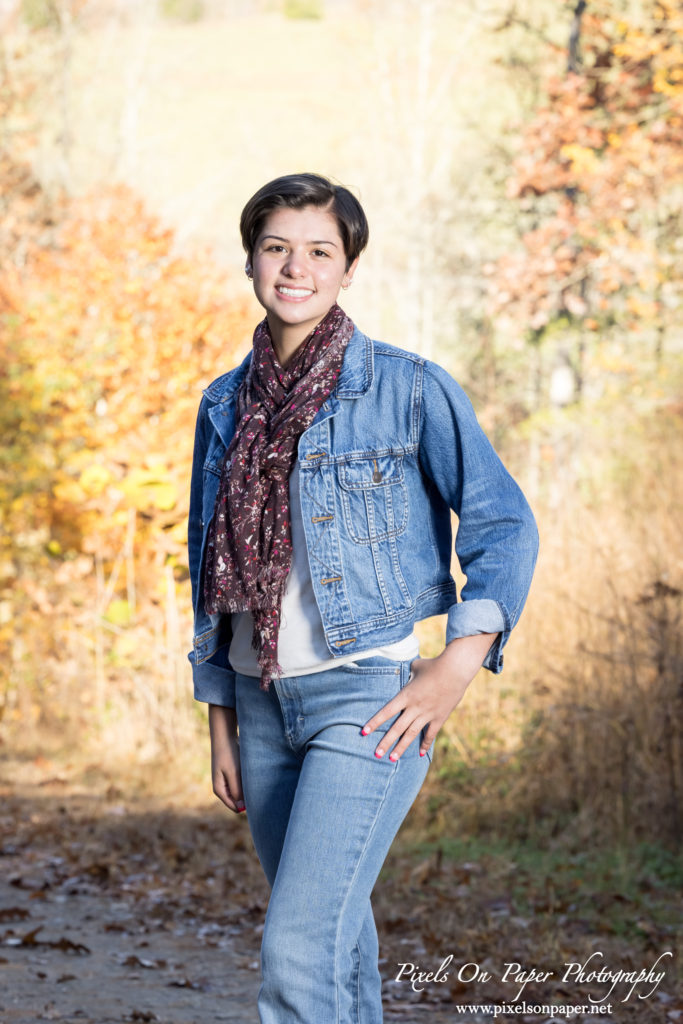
(69, 492)
(178, 533)
(668, 81)
(643, 308)
(94, 479)
(119, 612)
(637, 45)
(584, 160)
(656, 46)
(150, 488)
(119, 518)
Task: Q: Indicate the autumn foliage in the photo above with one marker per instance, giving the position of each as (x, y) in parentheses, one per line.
(108, 335)
(597, 182)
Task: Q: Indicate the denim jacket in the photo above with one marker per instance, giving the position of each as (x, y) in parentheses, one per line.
(394, 448)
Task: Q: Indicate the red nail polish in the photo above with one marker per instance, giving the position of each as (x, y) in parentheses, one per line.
(378, 753)
(422, 753)
(392, 757)
(364, 731)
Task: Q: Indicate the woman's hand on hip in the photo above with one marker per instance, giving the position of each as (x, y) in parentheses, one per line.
(225, 757)
(437, 686)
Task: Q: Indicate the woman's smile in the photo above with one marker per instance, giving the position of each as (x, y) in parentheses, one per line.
(295, 294)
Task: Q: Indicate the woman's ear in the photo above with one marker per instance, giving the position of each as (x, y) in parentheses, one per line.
(347, 279)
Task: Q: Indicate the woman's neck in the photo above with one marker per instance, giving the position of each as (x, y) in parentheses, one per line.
(287, 340)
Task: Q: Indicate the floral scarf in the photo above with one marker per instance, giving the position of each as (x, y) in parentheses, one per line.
(249, 545)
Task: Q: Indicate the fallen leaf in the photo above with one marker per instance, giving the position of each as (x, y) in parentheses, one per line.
(137, 961)
(13, 914)
(29, 939)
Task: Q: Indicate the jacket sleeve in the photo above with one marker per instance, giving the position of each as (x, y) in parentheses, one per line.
(497, 539)
(213, 678)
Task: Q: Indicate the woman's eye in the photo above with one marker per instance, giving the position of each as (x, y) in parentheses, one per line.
(320, 252)
(275, 248)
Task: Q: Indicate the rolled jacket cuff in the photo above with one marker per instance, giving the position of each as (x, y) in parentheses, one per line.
(480, 615)
(213, 684)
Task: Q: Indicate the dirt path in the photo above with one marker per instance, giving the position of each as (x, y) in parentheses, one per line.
(99, 957)
(126, 896)
(116, 910)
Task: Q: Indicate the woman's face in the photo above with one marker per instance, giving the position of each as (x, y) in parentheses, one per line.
(299, 266)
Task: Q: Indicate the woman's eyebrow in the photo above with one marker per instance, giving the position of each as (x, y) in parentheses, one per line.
(318, 241)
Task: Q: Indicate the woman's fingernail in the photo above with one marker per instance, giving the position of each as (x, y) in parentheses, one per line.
(379, 752)
(393, 757)
(364, 731)
(422, 753)
(240, 806)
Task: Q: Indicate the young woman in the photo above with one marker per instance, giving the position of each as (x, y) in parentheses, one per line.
(325, 470)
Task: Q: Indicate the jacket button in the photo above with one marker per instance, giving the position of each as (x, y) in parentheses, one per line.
(376, 477)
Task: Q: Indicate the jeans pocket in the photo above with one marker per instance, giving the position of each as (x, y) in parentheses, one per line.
(406, 671)
(375, 665)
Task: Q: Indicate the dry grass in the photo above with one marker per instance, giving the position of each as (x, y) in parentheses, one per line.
(581, 736)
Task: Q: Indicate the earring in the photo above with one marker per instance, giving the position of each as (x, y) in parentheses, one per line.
(249, 273)
(345, 286)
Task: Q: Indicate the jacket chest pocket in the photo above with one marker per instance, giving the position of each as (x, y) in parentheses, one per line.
(374, 497)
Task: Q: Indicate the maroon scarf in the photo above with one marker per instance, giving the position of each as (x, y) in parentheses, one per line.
(249, 545)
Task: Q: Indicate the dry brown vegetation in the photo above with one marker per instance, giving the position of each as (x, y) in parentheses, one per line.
(582, 740)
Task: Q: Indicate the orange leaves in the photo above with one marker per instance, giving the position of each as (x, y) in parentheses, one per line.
(108, 335)
(598, 175)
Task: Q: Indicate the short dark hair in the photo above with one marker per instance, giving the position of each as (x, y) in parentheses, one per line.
(297, 191)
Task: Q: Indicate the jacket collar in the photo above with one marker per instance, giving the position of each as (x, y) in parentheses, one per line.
(355, 376)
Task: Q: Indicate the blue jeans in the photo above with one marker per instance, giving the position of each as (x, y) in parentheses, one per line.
(323, 812)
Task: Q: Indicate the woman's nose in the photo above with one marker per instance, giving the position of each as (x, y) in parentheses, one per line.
(294, 265)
